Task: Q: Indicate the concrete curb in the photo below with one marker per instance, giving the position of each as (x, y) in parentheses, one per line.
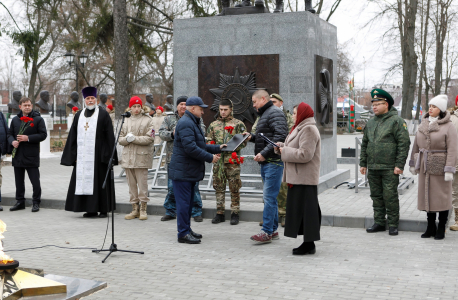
(245, 215)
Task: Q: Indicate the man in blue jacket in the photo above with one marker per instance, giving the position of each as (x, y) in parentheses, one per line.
(190, 152)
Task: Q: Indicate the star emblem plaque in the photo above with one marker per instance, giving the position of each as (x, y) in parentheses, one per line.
(239, 90)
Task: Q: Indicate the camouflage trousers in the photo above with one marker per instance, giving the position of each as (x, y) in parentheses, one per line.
(281, 199)
(384, 193)
(231, 174)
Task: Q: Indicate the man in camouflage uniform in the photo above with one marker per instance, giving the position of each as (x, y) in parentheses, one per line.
(167, 133)
(384, 151)
(281, 198)
(226, 171)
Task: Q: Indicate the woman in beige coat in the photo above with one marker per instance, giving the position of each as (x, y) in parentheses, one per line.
(137, 137)
(301, 154)
(434, 157)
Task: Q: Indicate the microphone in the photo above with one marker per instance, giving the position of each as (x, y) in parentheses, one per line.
(126, 114)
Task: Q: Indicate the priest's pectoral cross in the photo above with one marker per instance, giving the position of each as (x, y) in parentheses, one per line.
(87, 126)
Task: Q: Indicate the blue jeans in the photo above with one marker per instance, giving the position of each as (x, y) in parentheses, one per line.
(170, 204)
(271, 174)
(184, 192)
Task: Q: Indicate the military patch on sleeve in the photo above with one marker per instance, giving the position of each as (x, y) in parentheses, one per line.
(405, 126)
(243, 129)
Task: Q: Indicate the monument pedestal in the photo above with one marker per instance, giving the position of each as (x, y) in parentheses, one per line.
(45, 146)
(296, 46)
(245, 10)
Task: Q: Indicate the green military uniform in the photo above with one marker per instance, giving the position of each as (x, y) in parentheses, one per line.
(226, 172)
(385, 146)
(281, 198)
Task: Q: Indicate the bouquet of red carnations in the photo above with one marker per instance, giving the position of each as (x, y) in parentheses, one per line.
(26, 122)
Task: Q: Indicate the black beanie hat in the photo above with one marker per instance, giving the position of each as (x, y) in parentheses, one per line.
(181, 99)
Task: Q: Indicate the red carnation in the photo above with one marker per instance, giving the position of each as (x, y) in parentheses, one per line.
(31, 125)
(241, 160)
(234, 155)
(212, 142)
(231, 161)
(290, 185)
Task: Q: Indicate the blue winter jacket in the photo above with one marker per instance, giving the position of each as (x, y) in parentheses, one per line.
(190, 152)
(4, 149)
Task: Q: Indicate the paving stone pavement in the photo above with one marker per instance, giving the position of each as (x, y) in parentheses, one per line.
(349, 263)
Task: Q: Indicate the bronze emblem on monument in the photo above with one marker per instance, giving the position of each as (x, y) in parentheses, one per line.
(239, 90)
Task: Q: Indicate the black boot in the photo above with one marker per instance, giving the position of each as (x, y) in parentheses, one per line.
(278, 6)
(305, 248)
(440, 233)
(259, 3)
(224, 4)
(308, 6)
(243, 3)
(234, 219)
(19, 205)
(375, 228)
(218, 219)
(431, 229)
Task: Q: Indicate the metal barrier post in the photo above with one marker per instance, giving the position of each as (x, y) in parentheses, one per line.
(356, 164)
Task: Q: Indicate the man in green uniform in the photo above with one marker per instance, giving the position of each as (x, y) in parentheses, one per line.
(277, 100)
(228, 169)
(384, 151)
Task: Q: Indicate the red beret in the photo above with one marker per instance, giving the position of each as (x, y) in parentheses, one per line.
(160, 107)
(110, 107)
(135, 100)
(74, 108)
(456, 101)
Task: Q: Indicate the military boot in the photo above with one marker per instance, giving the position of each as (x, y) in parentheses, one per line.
(278, 6)
(431, 229)
(454, 227)
(224, 4)
(234, 219)
(308, 6)
(135, 212)
(218, 219)
(243, 3)
(440, 233)
(259, 3)
(143, 215)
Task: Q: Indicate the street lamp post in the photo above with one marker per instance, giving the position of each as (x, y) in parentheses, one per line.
(70, 57)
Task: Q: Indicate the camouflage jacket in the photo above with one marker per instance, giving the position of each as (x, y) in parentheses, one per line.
(289, 120)
(166, 132)
(216, 133)
(385, 142)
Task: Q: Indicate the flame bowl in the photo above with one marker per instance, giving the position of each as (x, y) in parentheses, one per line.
(9, 266)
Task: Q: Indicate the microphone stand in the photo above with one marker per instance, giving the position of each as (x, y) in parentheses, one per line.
(113, 246)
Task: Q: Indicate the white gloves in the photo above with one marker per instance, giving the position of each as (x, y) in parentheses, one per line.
(448, 176)
(413, 171)
(130, 137)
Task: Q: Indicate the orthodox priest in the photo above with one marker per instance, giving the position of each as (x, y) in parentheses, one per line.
(88, 149)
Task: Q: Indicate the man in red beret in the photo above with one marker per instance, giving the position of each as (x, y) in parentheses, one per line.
(88, 150)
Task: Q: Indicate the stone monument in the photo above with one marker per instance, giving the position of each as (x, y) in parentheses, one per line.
(74, 96)
(149, 101)
(14, 104)
(103, 101)
(43, 103)
(284, 53)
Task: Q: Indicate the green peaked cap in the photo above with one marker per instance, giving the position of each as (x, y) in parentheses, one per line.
(379, 95)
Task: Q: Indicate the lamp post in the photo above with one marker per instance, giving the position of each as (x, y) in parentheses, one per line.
(82, 59)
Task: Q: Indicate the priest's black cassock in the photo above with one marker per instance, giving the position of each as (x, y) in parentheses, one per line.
(104, 142)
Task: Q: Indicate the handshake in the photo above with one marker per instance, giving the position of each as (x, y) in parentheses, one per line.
(130, 137)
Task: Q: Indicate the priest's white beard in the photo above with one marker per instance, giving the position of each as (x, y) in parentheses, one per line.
(91, 107)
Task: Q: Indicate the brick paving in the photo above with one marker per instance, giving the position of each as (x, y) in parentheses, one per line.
(349, 263)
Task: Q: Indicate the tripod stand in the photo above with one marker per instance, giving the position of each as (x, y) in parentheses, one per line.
(113, 246)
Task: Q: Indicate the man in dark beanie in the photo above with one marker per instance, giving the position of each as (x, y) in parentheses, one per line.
(167, 133)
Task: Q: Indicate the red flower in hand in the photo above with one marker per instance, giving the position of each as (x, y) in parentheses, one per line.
(231, 161)
(241, 160)
(290, 185)
(31, 125)
(234, 155)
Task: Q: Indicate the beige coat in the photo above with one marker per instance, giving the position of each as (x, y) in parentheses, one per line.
(157, 121)
(454, 118)
(434, 193)
(139, 153)
(302, 154)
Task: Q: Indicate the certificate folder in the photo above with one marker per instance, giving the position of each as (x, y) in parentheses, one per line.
(235, 142)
